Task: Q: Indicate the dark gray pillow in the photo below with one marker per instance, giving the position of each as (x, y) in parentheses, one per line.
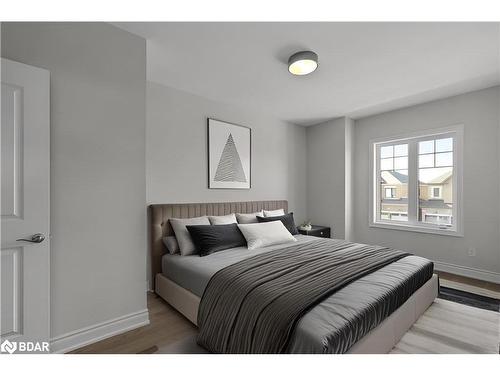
(287, 221)
(209, 239)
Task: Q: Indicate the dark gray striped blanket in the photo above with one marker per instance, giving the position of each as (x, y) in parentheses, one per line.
(254, 305)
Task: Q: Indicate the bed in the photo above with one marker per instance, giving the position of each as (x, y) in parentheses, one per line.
(350, 320)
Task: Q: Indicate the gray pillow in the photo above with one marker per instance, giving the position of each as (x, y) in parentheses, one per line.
(273, 213)
(222, 220)
(171, 244)
(186, 245)
(249, 218)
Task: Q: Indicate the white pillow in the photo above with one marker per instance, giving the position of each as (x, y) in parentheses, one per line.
(249, 218)
(279, 212)
(221, 220)
(265, 234)
(186, 245)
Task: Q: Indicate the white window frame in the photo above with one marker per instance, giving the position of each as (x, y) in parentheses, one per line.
(456, 131)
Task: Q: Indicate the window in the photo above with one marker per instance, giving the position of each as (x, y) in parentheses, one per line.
(435, 192)
(417, 182)
(390, 192)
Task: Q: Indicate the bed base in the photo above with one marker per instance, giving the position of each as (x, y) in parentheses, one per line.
(181, 299)
(387, 334)
(381, 340)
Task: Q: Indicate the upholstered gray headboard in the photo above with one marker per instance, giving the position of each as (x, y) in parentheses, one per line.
(160, 213)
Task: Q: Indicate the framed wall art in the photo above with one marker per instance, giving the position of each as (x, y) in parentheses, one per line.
(229, 155)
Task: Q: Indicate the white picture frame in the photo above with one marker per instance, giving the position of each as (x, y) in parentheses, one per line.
(229, 155)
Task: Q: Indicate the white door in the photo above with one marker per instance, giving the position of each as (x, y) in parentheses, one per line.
(25, 173)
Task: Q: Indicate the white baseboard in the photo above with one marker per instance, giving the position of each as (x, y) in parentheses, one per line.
(77, 339)
(474, 273)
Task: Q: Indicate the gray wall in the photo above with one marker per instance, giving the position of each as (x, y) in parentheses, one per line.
(176, 145)
(98, 192)
(349, 182)
(479, 113)
(329, 199)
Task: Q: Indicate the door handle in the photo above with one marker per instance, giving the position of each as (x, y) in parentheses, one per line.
(36, 238)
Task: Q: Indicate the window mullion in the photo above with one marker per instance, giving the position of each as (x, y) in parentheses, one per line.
(412, 182)
(377, 186)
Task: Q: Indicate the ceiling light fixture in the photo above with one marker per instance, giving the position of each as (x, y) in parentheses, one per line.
(302, 63)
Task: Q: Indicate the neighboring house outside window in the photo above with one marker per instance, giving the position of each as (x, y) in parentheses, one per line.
(414, 181)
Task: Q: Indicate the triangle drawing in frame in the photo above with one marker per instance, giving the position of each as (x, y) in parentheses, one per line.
(229, 155)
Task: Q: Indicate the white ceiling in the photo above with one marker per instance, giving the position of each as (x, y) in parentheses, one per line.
(364, 68)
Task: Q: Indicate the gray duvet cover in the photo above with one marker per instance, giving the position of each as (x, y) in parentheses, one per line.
(337, 322)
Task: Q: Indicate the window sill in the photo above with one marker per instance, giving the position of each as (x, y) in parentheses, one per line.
(419, 229)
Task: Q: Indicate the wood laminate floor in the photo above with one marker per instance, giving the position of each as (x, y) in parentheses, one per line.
(166, 327)
(430, 334)
(467, 284)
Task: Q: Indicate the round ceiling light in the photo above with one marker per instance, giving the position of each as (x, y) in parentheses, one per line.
(302, 63)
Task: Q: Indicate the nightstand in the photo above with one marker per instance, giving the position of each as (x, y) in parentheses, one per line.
(316, 231)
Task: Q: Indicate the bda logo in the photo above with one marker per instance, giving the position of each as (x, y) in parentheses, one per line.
(8, 346)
